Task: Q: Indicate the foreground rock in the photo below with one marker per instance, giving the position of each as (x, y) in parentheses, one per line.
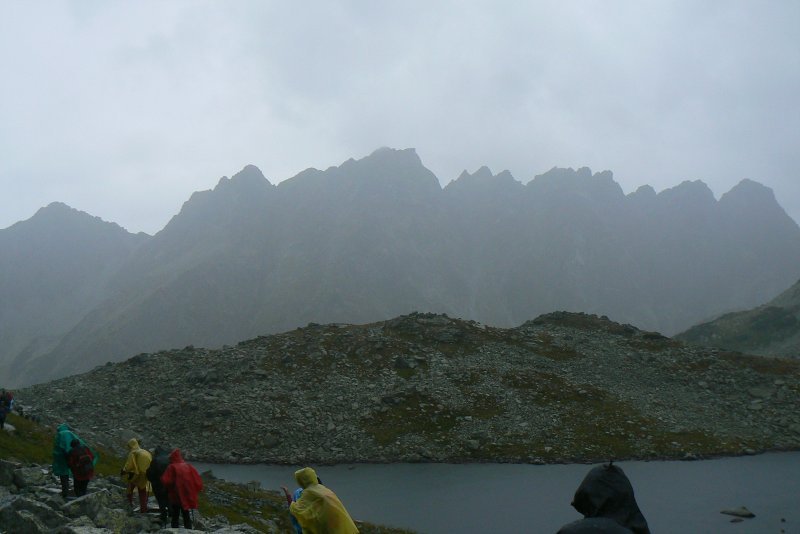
(424, 387)
(742, 511)
(33, 505)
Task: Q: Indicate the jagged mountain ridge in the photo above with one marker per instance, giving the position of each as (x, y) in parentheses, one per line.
(772, 329)
(426, 387)
(378, 237)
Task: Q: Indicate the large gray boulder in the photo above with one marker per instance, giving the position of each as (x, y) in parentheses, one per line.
(7, 469)
(114, 519)
(89, 505)
(30, 476)
(9, 511)
(82, 529)
(238, 529)
(23, 521)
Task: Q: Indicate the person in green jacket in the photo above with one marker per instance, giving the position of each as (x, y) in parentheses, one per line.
(62, 445)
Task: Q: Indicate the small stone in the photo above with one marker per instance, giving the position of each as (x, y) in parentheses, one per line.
(742, 511)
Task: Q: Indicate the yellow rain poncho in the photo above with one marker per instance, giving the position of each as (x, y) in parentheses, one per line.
(137, 463)
(319, 510)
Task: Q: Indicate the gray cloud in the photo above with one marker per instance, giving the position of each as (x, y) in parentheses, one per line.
(123, 109)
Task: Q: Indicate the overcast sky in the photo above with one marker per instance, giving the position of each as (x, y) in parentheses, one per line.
(123, 109)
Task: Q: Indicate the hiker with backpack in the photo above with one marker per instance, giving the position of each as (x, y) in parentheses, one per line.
(7, 397)
(157, 468)
(134, 472)
(183, 483)
(81, 462)
(319, 510)
(62, 446)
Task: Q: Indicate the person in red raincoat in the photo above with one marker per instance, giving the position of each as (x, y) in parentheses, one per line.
(183, 483)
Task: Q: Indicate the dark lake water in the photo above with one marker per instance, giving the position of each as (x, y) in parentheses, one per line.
(675, 497)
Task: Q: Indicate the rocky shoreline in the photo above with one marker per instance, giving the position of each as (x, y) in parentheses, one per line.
(30, 502)
(565, 387)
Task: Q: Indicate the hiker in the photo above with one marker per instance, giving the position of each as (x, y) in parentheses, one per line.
(183, 483)
(62, 445)
(154, 472)
(134, 472)
(319, 510)
(605, 498)
(3, 411)
(81, 462)
(295, 496)
(7, 397)
(6, 405)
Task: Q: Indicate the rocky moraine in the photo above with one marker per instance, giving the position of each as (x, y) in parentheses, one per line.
(565, 387)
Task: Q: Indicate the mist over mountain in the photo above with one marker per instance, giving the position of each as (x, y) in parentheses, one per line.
(772, 329)
(54, 268)
(378, 237)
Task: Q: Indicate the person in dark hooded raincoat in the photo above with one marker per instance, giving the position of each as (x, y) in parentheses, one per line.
(62, 445)
(319, 510)
(157, 468)
(183, 483)
(606, 500)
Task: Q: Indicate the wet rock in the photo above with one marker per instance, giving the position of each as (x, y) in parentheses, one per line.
(7, 469)
(270, 441)
(29, 476)
(82, 529)
(741, 511)
(88, 505)
(238, 529)
(760, 392)
(22, 521)
(114, 519)
(44, 514)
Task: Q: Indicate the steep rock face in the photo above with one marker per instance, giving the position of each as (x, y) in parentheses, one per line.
(772, 329)
(54, 268)
(377, 237)
(426, 387)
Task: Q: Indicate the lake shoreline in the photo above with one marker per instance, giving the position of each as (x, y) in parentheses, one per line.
(674, 496)
(690, 457)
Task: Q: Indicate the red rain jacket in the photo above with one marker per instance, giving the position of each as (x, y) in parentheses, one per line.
(182, 482)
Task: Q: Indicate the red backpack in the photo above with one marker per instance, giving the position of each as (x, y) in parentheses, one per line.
(84, 463)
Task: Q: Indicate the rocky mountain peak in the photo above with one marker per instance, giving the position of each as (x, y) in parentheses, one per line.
(250, 175)
(577, 182)
(644, 194)
(689, 192)
(482, 179)
(62, 219)
(750, 196)
(248, 181)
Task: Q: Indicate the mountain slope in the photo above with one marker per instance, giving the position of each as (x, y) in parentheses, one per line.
(772, 329)
(54, 268)
(563, 387)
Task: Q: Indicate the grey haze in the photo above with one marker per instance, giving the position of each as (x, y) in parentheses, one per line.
(121, 109)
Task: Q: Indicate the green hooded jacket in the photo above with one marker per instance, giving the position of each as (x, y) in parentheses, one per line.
(62, 444)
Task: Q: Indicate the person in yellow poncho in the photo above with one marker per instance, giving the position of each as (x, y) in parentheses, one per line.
(134, 472)
(319, 510)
